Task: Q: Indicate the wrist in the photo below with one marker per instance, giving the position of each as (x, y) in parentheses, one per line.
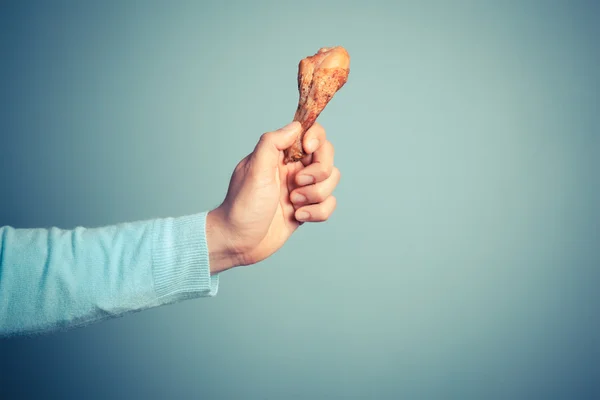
(221, 254)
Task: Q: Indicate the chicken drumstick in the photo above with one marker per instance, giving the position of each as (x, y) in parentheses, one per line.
(319, 77)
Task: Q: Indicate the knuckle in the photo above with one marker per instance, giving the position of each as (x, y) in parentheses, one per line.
(336, 172)
(265, 137)
(325, 171)
(320, 194)
(319, 216)
(321, 172)
(322, 132)
(330, 208)
(242, 166)
(239, 168)
(333, 203)
(318, 130)
(328, 149)
(329, 168)
(327, 209)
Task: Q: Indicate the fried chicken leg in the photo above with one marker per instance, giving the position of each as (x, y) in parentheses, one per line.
(319, 77)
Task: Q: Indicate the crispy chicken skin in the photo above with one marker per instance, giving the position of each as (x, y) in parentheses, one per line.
(319, 77)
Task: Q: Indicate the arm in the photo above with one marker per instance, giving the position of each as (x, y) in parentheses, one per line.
(54, 279)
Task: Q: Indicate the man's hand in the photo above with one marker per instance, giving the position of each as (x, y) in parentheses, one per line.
(268, 200)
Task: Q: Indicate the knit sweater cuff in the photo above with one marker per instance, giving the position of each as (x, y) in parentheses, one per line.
(180, 258)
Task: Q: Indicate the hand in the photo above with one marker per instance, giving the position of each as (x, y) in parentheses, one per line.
(268, 200)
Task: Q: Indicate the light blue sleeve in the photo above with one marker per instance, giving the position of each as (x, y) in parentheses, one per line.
(53, 279)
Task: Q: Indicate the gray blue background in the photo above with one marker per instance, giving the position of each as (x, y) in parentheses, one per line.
(463, 259)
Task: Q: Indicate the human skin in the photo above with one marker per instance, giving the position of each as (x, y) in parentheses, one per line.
(268, 200)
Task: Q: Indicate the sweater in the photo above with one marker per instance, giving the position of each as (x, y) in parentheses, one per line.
(55, 279)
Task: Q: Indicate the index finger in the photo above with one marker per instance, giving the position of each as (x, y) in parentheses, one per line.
(313, 138)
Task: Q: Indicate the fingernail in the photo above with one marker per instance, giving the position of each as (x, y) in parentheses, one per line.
(302, 215)
(312, 145)
(289, 127)
(305, 180)
(297, 198)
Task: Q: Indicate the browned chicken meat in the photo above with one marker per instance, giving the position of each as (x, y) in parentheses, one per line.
(319, 77)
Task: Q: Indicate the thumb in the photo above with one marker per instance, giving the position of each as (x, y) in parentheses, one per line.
(270, 145)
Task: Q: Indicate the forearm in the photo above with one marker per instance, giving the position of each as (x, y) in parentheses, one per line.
(52, 278)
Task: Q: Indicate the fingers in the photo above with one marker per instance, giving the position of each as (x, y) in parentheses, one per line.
(313, 138)
(316, 212)
(317, 180)
(276, 141)
(320, 167)
(267, 151)
(316, 193)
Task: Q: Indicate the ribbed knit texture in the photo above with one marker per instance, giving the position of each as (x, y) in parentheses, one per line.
(180, 257)
(53, 279)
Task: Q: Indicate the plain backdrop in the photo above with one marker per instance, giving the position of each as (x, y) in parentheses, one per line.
(462, 261)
